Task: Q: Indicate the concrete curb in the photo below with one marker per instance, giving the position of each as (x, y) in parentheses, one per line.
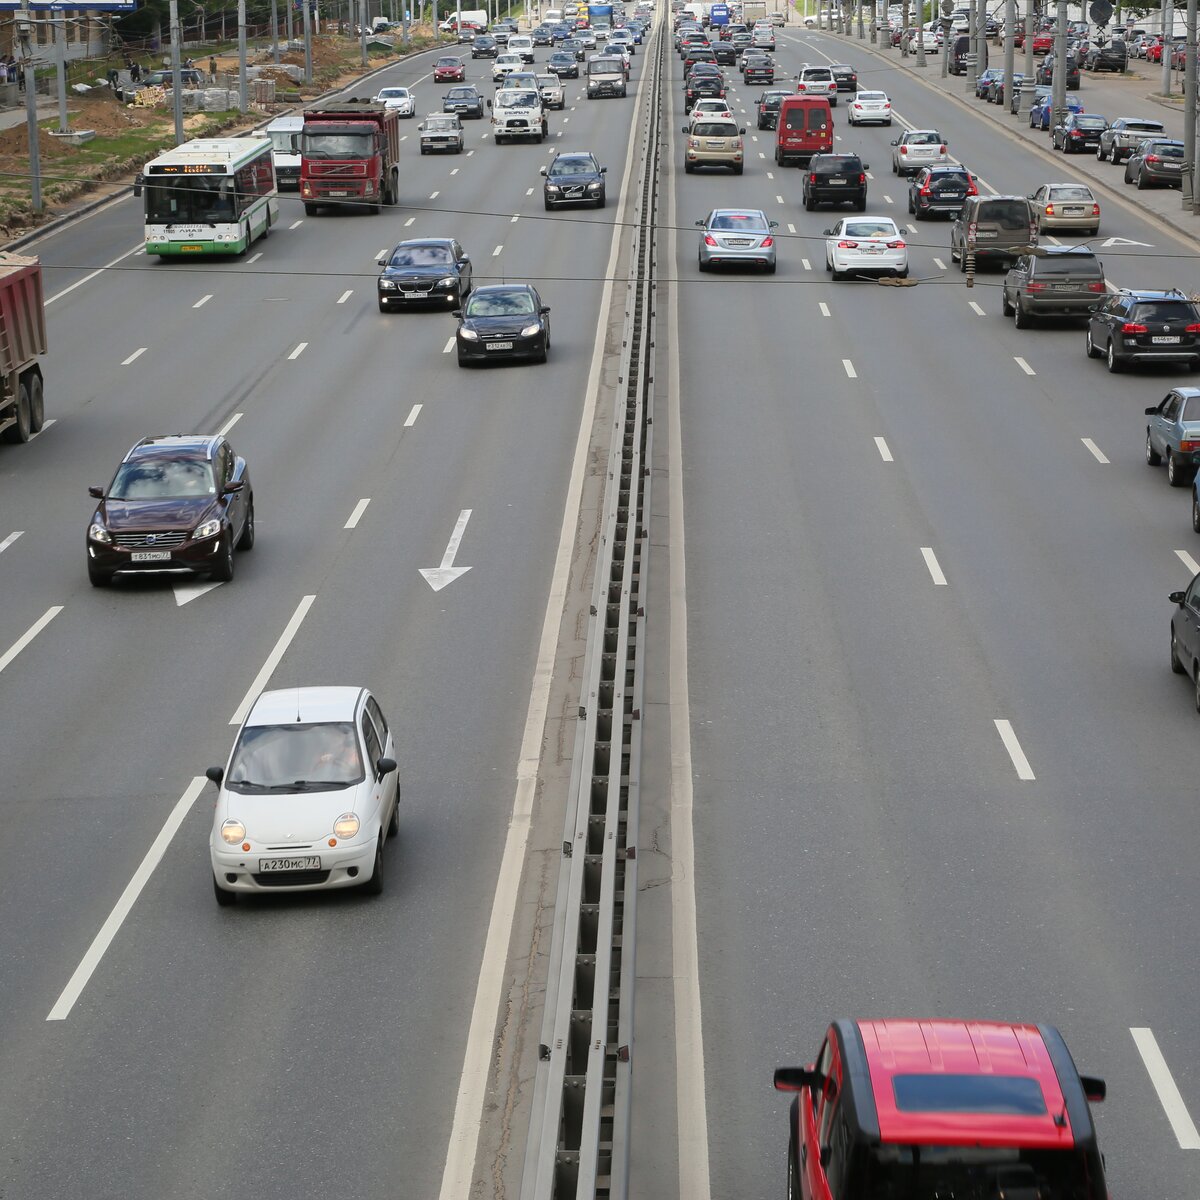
(87, 207)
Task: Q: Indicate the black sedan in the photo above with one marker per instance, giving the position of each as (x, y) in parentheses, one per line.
(940, 190)
(1077, 132)
(573, 179)
(725, 53)
(424, 271)
(176, 505)
(503, 320)
(466, 101)
(563, 65)
(484, 46)
(845, 77)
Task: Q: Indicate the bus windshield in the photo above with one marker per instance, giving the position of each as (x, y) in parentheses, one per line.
(191, 200)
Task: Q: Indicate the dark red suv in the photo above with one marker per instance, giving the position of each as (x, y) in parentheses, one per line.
(942, 1108)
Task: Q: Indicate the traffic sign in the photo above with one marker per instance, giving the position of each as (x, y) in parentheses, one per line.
(1101, 11)
(947, 8)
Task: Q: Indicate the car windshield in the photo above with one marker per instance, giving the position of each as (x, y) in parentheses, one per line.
(548, 81)
(461, 94)
(336, 145)
(394, 93)
(421, 256)
(744, 222)
(572, 166)
(449, 62)
(163, 479)
(285, 141)
(295, 758)
(499, 304)
(867, 229)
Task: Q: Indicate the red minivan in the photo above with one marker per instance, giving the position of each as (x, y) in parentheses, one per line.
(805, 128)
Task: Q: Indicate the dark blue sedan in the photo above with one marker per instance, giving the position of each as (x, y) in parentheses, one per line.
(1043, 109)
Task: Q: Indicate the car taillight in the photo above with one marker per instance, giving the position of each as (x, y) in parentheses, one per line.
(1191, 329)
(888, 104)
(862, 179)
(768, 241)
(896, 245)
(709, 240)
(903, 149)
(1096, 286)
(1152, 158)
(1130, 327)
(1049, 210)
(801, 87)
(926, 189)
(847, 245)
(1095, 210)
(812, 179)
(1189, 447)
(942, 149)
(972, 190)
(1035, 287)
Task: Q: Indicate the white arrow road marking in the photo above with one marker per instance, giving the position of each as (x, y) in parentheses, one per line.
(1005, 729)
(1169, 1096)
(185, 593)
(273, 659)
(8, 541)
(29, 635)
(1096, 452)
(1188, 561)
(884, 452)
(439, 577)
(1109, 243)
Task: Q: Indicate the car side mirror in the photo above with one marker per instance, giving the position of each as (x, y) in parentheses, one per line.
(603, 170)
(773, 224)
(1093, 1088)
(545, 310)
(489, 104)
(895, 141)
(457, 313)
(384, 766)
(234, 485)
(216, 774)
(541, 170)
(827, 233)
(1151, 411)
(866, 166)
(96, 491)
(1176, 597)
(796, 1079)
(382, 261)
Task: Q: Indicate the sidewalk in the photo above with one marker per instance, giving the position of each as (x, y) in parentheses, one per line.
(47, 106)
(1129, 95)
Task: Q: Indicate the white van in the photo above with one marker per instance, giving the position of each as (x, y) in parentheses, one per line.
(284, 133)
(522, 44)
(552, 16)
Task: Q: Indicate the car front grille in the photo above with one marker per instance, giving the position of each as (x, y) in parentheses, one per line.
(166, 540)
(290, 878)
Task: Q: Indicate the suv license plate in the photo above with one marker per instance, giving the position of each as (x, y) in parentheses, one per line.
(499, 345)
(302, 862)
(1164, 341)
(165, 555)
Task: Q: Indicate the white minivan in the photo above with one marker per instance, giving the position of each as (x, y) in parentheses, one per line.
(284, 133)
(522, 44)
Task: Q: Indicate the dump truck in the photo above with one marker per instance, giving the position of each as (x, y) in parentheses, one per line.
(349, 154)
(22, 340)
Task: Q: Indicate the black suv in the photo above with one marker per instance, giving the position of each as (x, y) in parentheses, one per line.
(1113, 57)
(768, 108)
(940, 190)
(845, 77)
(1045, 71)
(176, 504)
(1156, 160)
(835, 179)
(573, 179)
(1058, 281)
(1136, 327)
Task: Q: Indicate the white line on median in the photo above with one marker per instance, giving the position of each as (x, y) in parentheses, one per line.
(1169, 1096)
(229, 424)
(134, 356)
(1005, 730)
(356, 515)
(345, 296)
(884, 453)
(29, 635)
(1188, 561)
(934, 566)
(277, 653)
(448, 346)
(1097, 453)
(976, 309)
(202, 301)
(1024, 365)
(133, 889)
(8, 541)
(299, 350)
(851, 373)
(415, 411)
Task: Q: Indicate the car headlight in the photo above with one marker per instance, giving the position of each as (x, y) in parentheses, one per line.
(468, 334)
(233, 832)
(593, 187)
(208, 529)
(531, 330)
(553, 187)
(346, 826)
(449, 281)
(387, 285)
(97, 533)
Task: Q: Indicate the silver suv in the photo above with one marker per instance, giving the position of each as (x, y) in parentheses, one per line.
(816, 81)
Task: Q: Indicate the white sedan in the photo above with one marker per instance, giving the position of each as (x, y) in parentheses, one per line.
(865, 245)
(308, 796)
(870, 107)
(710, 106)
(505, 65)
(401, 99)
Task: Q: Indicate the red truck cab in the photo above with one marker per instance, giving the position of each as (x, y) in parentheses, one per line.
(349, 154)
(942, 1108)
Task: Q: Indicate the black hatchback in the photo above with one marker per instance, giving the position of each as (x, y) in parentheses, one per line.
(1138, 327)
(835, 179)
(940, 190)
(466, 101)
(767, 108)
(503, 320)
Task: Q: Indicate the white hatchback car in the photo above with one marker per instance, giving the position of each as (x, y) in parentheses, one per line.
(870, 107)
(308, 796)
(865, 245)
(917, 148)
(401, 99)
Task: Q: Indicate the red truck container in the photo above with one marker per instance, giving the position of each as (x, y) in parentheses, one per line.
(349, 154)
(22, 339)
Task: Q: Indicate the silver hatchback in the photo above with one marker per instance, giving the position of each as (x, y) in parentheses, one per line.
(737, 237)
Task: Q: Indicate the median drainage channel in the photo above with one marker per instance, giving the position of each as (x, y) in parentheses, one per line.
(578, 1144)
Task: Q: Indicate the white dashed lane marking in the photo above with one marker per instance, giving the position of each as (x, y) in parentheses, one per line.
(202, 301)
(134, 356)
(1095, 450)
(1009, 738)
(299, 350)
(1024, 365)
(884, 453)
(345, 296)
(935, 570)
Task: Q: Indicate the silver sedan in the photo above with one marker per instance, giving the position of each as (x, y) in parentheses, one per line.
(737, 237)
(1065, 206)
(865, 245)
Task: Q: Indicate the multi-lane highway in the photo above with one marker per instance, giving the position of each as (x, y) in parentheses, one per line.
(938, 761)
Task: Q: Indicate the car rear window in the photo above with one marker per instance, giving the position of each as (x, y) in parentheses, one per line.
(816, 73)
(1007, 214)
(1070, 193)
(1166, 150)
(1085, 122)
(1068, 264)
(1144, 126)
(714, 129)
(1162, 310)
(1012, 1095)
(746, 221)
(803, 117)
(825, 165)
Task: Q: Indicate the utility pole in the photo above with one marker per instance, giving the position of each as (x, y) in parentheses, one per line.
(307, 10)
(176, 80)
(25, 34)
(875, 22)
(947, 9)
(1010, 45)
(60, 56)
(921, 33)
(404, 22)
(1189, 103)
(979, 17)
(1167, 28)
(362, 30)
(288, 21)
(242, 98)
(858, 4)
(1058, 81)
(275, 31)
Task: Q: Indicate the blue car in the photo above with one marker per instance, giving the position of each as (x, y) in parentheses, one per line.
(1040, 113)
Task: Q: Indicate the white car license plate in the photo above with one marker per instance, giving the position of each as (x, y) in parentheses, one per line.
(741, 242)
(1164, 341)
(986, 233)
(837, 183)
(165, 555)
(302, 862)
(339, 193)
(872, 249)
(1072, 212)
(499, 345)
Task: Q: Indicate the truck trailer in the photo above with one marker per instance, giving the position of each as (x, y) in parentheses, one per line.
(22, 340)
(349, 154)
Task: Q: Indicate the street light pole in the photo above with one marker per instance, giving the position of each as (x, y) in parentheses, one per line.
(242, 98)
(1010, 47)
(921, 33)
(307, 11)
(1058, 81)
(362, 31)
(1189, 102)
(176, 80)
(25, 34)
(60, 57)
(1167, 29)
(275, 31)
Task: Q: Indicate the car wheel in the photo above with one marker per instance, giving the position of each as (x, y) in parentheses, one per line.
(1021, 319)
(98, 578)
(810, 204)
(21, 429)
(1115, 365)
(738, 168)
(1153, 458)
(701, 265)
(223, 571)
(374, 885)
(1196, 671)
(689, 168)
(37, 404)
(1177, 474)
(1005, 307)
(246, 541)
(1092, 352)
(394, 824)
(1127, 176)
(224, 899)
(1099, 153)
(1141, 181)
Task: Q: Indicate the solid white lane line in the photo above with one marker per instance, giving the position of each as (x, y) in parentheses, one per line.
(806, 264)
(415, 411)
(1169, 1095)
(884, 452)
(8, 541)
(937, 262)
(851, 373)
(229, 424)
(409, 222)
(448, 346)
(299, 350)
(29, 635)
(496, 252)
(1005, 729)
(273, 659)
(1188, 561)
(345, 296)
(133, 889)
(202, 301)
(356, 515)
(296, 224)
(99, 270)
(434, 195)
(823, 307)
(976, 309)
(1097, 453)
(254, 259)
(134, 356)
(1024, 365)
(934, 566)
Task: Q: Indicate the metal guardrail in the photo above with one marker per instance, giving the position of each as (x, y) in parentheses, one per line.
(578, 1143)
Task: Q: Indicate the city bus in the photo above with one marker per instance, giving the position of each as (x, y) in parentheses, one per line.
(210, 196)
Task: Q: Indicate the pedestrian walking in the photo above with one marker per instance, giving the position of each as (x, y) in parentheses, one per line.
(135, 72)
(3, 72)
(114, 78)
(212, 68)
